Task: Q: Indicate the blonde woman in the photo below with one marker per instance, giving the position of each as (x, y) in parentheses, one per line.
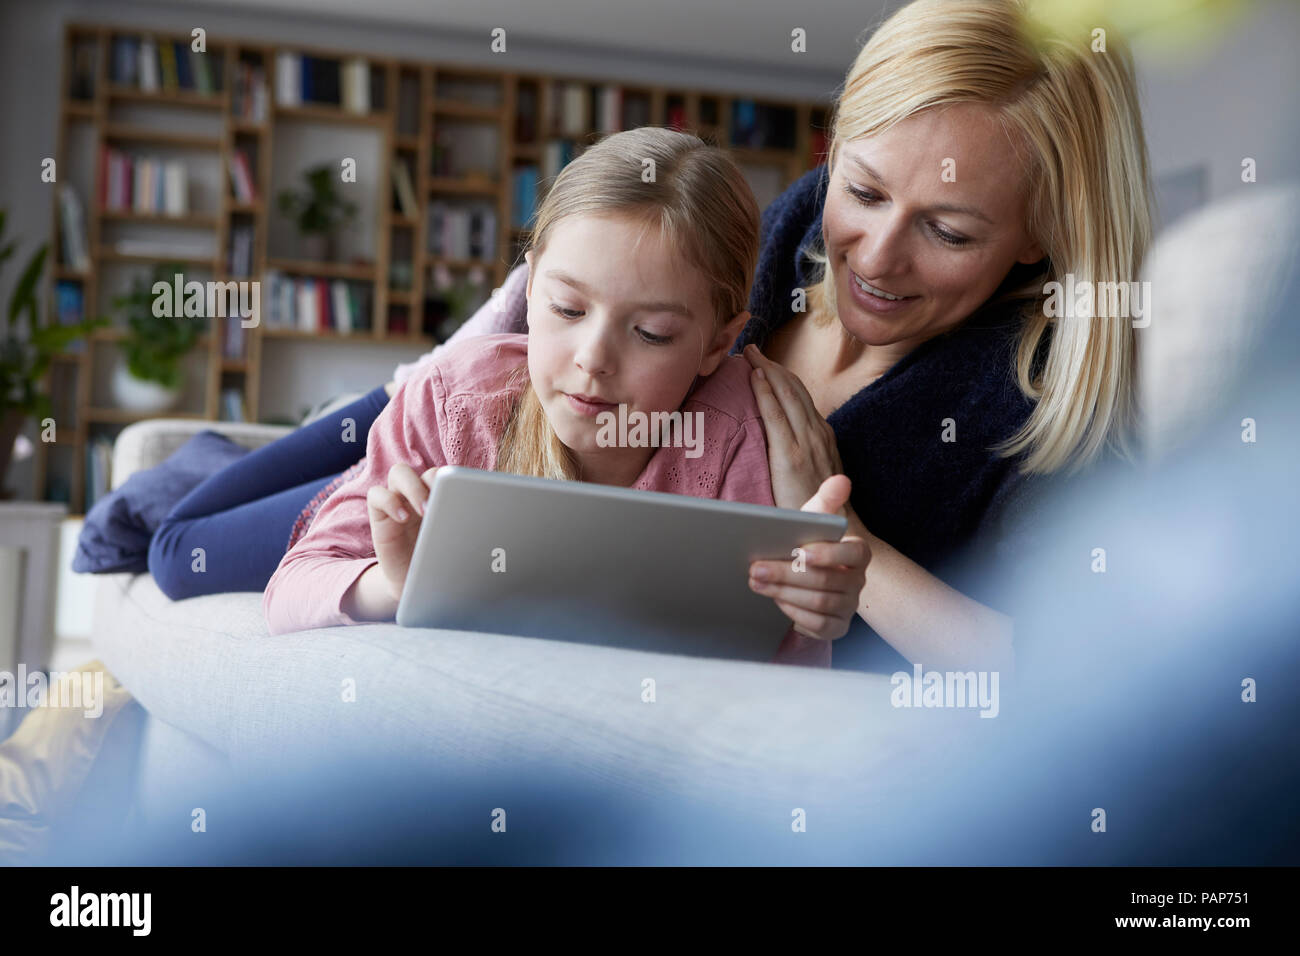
(900, 309)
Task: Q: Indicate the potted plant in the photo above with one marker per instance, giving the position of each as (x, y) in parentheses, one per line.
(150, 380)
(319, 211)
(24, 359)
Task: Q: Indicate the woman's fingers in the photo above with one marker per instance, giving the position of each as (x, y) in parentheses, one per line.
(788, 390)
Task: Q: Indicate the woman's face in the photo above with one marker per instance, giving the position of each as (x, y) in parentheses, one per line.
(932, 211)
(617, 323)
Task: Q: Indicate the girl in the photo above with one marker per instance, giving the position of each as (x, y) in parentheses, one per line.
(640, 264)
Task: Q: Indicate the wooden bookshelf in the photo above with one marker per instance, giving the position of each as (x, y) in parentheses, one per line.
(426, 115)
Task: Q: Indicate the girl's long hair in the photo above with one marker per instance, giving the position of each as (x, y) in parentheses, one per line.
(1073, 116)
(691, 194)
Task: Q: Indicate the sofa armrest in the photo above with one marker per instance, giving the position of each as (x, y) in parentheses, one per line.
(148, 443)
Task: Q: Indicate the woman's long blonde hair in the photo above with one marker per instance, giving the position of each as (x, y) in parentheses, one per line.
(697, 199)
(1073, 114)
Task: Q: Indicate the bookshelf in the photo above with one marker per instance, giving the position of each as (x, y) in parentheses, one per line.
(465, 154)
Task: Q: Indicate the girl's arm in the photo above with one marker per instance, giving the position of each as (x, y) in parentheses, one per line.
(309, 587)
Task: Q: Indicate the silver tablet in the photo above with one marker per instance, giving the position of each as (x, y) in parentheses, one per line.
(573, 561)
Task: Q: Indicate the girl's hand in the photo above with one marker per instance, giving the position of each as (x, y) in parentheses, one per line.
(801, 448)
(395, 514)
(822, 598)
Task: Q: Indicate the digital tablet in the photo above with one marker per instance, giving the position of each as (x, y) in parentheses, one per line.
(575, 561)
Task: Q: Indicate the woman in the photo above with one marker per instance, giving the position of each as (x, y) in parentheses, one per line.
(899, 302)
(899, 305)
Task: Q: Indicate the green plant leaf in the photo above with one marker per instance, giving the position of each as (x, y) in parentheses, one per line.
(24, 294)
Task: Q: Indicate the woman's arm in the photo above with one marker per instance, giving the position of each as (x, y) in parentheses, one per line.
(920, 616)
(924, 619)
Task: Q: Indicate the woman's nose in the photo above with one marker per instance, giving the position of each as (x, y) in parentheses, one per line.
(882, 251)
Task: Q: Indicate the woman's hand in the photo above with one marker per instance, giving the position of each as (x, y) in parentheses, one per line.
(820, 590)
(801, 448)
(395, 521)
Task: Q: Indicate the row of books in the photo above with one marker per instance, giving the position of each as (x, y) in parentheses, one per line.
(759, 126)
(315, 305)
(142, 184)
(250, 92)
(72, 230)
(312, 79)
(462, 232)
(241, 177)
(163, 64)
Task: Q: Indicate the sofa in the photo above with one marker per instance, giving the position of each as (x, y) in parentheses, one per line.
(221, 696)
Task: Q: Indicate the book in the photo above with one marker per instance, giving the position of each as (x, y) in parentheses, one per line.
(167, 64)
(404, 189)
(241, 177)
(356, 85)
(184, 75)
(199, 69)
(288, 79)
(307, 314)
(342, 306)
(73, 230)
(149, 71)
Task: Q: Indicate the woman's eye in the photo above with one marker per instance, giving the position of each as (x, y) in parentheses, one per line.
(864, 196)
(564, 313)
(951, 238)
(655, 339)
(868, 197)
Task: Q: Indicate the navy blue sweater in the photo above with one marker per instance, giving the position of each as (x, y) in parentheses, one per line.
(949, 506)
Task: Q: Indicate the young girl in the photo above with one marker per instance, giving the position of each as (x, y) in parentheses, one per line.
(640, 264)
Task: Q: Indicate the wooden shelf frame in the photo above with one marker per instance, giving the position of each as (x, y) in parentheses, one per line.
(434, 108)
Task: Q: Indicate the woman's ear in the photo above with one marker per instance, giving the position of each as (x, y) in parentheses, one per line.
(1030, 254)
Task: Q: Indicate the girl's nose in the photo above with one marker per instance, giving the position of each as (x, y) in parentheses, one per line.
(594, 354)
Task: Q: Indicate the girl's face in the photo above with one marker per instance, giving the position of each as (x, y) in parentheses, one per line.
(931, 210)
(610, 323)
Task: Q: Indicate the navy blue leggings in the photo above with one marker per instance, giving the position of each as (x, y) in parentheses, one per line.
(242, 516)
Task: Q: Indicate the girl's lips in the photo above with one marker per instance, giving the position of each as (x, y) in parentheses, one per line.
(874, 303)
(583, 407)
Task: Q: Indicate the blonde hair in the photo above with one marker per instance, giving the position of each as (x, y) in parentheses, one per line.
(1073, 116)
(700, 203)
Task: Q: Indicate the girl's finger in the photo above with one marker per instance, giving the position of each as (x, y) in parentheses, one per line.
(403, 480)
(386, 504)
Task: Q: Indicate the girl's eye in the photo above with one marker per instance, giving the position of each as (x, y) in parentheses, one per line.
(654, 339)
(868, 197)
(564, 313)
